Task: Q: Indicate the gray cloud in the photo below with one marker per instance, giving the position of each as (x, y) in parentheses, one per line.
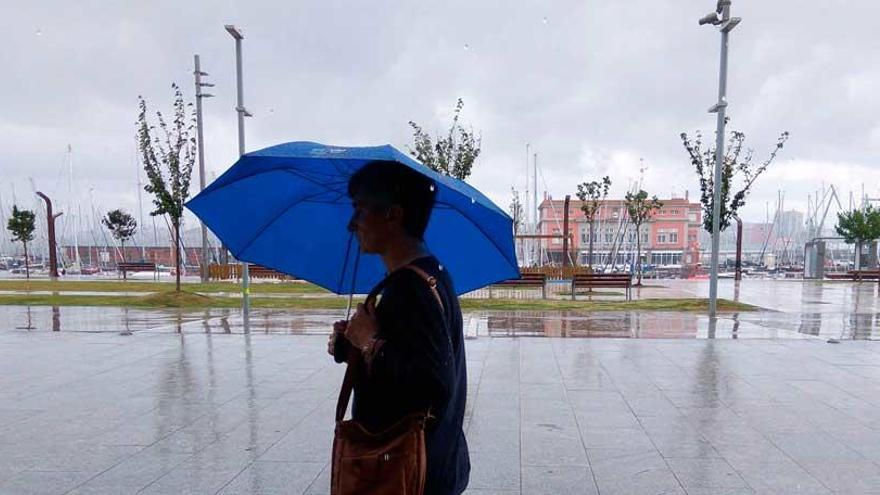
(593, 86)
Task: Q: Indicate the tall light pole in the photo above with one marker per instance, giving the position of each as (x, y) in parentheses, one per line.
(537, 246)
(721, 18)
(201, 143)
(242, 113)
(526, 243)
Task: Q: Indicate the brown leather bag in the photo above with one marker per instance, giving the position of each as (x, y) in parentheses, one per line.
(390, 462)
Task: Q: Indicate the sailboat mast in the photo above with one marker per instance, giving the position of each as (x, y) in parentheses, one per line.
(76, 258)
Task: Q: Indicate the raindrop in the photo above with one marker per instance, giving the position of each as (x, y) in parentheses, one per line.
(544, 20)
(441, 268)
(39, 32)
(473, 200)
(467, 46)
(431, 187)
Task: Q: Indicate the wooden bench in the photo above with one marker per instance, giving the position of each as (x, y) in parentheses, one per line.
(257, 271)
(526, 280)
(126, 267)
(233, 271)
(602, 280)
(859, 275)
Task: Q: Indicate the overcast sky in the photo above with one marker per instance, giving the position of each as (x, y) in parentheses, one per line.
(594, 86)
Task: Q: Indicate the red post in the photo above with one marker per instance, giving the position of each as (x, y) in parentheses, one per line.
(50, 221)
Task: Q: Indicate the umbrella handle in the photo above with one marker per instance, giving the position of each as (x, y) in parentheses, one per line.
(357, 260)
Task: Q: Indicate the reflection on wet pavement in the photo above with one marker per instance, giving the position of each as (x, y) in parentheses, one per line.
(166, 413)
(186, 404)
(629, 324)
(795, 310)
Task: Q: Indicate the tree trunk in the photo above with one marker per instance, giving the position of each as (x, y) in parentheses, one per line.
(124, 274)
(639, 253)
(591, 246)
(27, 261)
(177, 253)
(858, 257)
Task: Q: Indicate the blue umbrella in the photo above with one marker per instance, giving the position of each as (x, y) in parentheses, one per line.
(286, 207)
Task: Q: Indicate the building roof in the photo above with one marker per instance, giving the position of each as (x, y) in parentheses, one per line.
(559, 203)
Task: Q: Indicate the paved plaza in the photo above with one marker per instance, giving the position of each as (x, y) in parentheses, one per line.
(161, 412)
(118, 401)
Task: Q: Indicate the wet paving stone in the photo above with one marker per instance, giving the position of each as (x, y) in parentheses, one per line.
(187, 403)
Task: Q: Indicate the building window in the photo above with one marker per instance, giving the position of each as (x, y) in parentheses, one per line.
(667, 236)
(585, 234)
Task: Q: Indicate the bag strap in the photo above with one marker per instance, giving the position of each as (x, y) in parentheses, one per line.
(345, 391)
(432, 284)
(354, 358)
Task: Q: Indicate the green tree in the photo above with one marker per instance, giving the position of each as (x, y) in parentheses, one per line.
(592, 194)
(168, 155)
(640, 208)
(738, 173)
(21, 225)
(858, 227)
(453, 154)
(121, 225)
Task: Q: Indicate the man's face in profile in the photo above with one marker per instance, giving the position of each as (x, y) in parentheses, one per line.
(371, 225)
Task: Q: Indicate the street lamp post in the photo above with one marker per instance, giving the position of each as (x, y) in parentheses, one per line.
(199, 95)
(721, 18)
(242, 113)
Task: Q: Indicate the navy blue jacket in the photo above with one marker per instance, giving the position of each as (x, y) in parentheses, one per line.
(421, 365)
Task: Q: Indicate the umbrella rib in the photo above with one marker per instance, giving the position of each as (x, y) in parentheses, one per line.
(325, 202)
(276, 217)
(313, 181)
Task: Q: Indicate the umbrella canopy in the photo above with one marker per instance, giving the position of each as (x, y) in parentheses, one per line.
(286, 207)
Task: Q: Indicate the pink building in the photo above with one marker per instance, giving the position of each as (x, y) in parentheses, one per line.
(670, 238)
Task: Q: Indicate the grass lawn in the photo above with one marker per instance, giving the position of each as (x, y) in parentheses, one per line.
(185, 299)
(147, 286)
